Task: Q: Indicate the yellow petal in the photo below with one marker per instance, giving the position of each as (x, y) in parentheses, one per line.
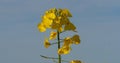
(64, 20)
(57, 20)
(53, 35)
(67, 41)
(47, 22)
(69, 26)
(56, 25)
(65, 13)
(50, 15)
(75, 61)
(46, 43)
(76, 39)
(41, 27)
(60, 51)
(52, 10)
(60, 29)
(64, 50)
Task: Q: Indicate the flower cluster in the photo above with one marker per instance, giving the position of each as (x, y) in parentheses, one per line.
(66, 47)
(58, 21)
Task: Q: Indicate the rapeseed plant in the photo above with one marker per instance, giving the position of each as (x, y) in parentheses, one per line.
(58, 21)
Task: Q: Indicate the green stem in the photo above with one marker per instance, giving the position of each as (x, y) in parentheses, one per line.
(46, 57)
(56, 42)
(58, 37)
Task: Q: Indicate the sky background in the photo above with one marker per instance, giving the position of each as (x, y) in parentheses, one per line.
(97, 22)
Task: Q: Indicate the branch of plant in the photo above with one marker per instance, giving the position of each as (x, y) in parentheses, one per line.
(56, 42)
(52, 58)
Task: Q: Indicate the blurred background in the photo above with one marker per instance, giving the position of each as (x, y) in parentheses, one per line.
(97, 22)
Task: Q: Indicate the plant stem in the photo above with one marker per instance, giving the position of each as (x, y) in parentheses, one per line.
(58, 37)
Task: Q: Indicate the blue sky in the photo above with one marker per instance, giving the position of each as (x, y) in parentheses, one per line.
(97, 22)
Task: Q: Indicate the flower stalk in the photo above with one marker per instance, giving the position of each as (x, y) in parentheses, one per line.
(58, 37)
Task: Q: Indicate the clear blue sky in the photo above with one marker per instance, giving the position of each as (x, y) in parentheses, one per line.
(97, 22)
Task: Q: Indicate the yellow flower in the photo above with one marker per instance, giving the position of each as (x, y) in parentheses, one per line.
(60, 51)
(53, 35)
(46, 43)
(56, 19)
(47, 22)
(60, 29)
(76, 39)
(41, 27)
(67, 41)
(52, 10)
(56, 25)
(64, 20)
(69, 26)
(65, 13)
(64, 50)
(75, 61)
(50, 15)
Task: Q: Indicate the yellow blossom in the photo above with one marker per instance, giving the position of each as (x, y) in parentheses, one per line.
(56, 19)
(64, 50)
(75, 61)
(69, 26)
(64, 20)
(76, 39)
(41, 27)
(60, 29)
(67, 41)
(50, 15)
(52, 10)
(46, 43)
(65, 13)
(53, 35)
(56, 25)
(47, 22)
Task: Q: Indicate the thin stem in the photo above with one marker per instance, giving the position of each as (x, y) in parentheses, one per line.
(58, 37)
(48, 57)
(53, 58)
(56, 42)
